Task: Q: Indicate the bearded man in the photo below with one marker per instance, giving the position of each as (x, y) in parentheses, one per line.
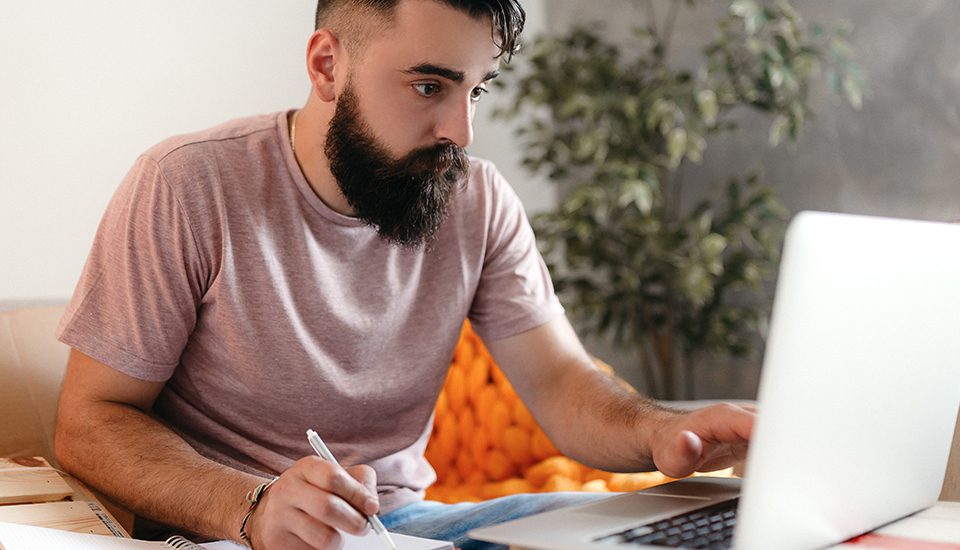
(312, 269)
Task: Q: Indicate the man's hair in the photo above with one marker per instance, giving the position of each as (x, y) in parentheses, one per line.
(355, 20)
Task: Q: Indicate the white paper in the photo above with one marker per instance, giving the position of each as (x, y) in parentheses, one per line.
(938, 524)
(27, 537)
(373, 542)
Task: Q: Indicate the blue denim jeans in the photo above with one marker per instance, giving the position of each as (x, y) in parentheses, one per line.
(435, 520)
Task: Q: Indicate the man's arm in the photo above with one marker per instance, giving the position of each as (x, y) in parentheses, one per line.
(595, 421)
(106, 438)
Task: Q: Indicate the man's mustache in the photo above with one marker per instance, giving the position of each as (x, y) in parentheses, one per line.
(436, 159)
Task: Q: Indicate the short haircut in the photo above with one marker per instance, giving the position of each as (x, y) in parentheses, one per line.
(356, 20)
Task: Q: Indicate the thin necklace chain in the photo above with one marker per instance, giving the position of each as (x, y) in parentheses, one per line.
(293, 131)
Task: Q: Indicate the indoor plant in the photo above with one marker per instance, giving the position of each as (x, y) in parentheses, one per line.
(663, 274)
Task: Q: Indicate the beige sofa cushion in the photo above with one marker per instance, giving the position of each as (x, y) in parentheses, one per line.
(951, 484)
(32, 366)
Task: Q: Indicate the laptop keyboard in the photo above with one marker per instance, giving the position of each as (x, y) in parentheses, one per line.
(709, 528)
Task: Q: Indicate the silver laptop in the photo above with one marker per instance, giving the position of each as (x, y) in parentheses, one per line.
(858, 396)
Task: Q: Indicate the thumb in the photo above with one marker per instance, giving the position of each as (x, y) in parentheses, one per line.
(683, 455)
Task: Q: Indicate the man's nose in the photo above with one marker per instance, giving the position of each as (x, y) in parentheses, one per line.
(456, 123)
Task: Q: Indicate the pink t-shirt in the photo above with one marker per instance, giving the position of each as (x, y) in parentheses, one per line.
(218, 270)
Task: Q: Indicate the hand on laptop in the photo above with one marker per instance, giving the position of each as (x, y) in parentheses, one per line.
(708, 439)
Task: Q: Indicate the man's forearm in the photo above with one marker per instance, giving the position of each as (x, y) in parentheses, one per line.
(586, 414)
(143, 465)
(595, 421)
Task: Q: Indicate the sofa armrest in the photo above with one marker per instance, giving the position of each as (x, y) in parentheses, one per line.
(951, 482)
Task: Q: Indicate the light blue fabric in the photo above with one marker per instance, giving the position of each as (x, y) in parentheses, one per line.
(451, 522)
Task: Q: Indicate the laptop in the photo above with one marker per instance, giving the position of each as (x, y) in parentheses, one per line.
(858, 398)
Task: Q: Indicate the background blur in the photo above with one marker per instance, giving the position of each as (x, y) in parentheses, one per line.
(86, 87)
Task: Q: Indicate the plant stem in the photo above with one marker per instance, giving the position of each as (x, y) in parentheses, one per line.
(673, 194)
(653, 388)
(652, 16)
(663, 348)
(668, 28)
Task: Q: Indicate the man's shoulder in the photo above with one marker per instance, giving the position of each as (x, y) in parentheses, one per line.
(239, 131)
(485, 180)
(487, 184)
(483, 169)
(228, 162)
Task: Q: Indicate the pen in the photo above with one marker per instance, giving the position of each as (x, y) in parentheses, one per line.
(322, 450)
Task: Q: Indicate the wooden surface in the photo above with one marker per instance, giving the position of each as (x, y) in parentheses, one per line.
(34, 493)
(30, 480)
(66, 515)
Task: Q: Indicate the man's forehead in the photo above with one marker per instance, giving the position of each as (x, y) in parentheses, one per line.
(429, 37)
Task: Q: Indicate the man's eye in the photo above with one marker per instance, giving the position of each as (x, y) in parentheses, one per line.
(477, 93)
(427, 89)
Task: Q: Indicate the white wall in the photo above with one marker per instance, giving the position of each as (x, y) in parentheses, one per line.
(85, 87)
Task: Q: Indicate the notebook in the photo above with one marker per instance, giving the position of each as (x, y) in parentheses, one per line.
(859, 395)
(27, 537)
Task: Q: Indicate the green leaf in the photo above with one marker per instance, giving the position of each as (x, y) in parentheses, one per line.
(776, 75)
(695, 146)
(639, 194)
(704, 222)
(744, 8)
(779, 129)
(854, 93)
(711, 248)
(695, 283)
(707, 103)
(676, 146)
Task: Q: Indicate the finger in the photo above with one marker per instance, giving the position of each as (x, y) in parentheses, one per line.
(684, 455)
(308, 532)
(332, 510)
(279, 521)
(731, 456)
(725, 423)
(333, 478)
(725, 432)
(321, 490)
(367, 476)
(713, 438)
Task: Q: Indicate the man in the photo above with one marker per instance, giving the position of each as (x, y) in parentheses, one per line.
(312, 270)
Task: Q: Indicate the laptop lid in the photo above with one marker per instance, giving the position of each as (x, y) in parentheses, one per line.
(860, 384)
(859, 396)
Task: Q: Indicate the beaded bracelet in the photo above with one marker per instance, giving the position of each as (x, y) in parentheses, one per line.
(253, 497)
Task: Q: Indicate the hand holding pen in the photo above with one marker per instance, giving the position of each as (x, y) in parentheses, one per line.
(311, 503)
(322, 450)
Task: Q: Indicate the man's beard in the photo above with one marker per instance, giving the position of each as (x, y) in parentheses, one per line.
(404, 199)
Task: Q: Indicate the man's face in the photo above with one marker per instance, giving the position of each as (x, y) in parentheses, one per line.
(405, 198)
(404, 115)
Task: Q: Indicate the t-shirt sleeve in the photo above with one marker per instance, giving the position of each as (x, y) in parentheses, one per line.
(515, 292)
(135, 305)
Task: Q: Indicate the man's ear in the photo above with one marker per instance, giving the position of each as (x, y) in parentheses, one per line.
(324, 54)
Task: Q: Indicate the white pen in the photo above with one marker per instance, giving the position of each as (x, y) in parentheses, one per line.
(322, 450)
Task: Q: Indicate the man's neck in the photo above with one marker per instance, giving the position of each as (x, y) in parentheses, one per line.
(310, 132)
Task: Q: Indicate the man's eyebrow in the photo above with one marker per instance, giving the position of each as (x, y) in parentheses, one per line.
(427, 69)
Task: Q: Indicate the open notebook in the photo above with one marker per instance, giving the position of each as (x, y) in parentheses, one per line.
(26, 537)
